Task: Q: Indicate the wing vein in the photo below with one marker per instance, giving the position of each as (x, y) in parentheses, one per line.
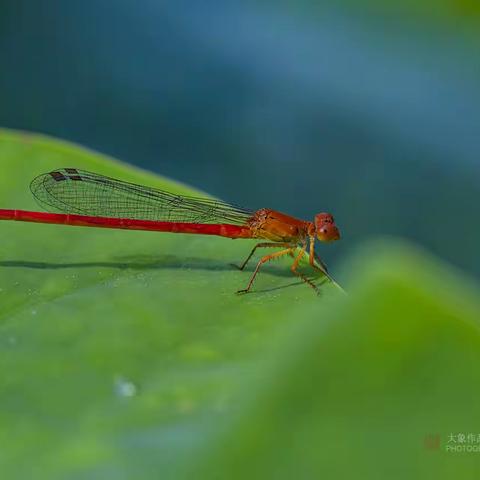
(80, 192)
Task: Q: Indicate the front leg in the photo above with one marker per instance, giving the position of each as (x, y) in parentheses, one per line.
(313, 256)
(300, 274)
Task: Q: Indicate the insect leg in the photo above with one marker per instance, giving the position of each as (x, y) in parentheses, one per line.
(263, 260)
(313, 256)
(263, 245)
(294, 270)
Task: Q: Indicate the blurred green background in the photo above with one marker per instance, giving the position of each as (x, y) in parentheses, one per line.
(370, 110)
(126, 355)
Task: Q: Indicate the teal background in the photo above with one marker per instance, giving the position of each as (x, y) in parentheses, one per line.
(370, 110)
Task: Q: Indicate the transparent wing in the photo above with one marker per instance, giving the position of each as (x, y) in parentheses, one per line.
(69, 190)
